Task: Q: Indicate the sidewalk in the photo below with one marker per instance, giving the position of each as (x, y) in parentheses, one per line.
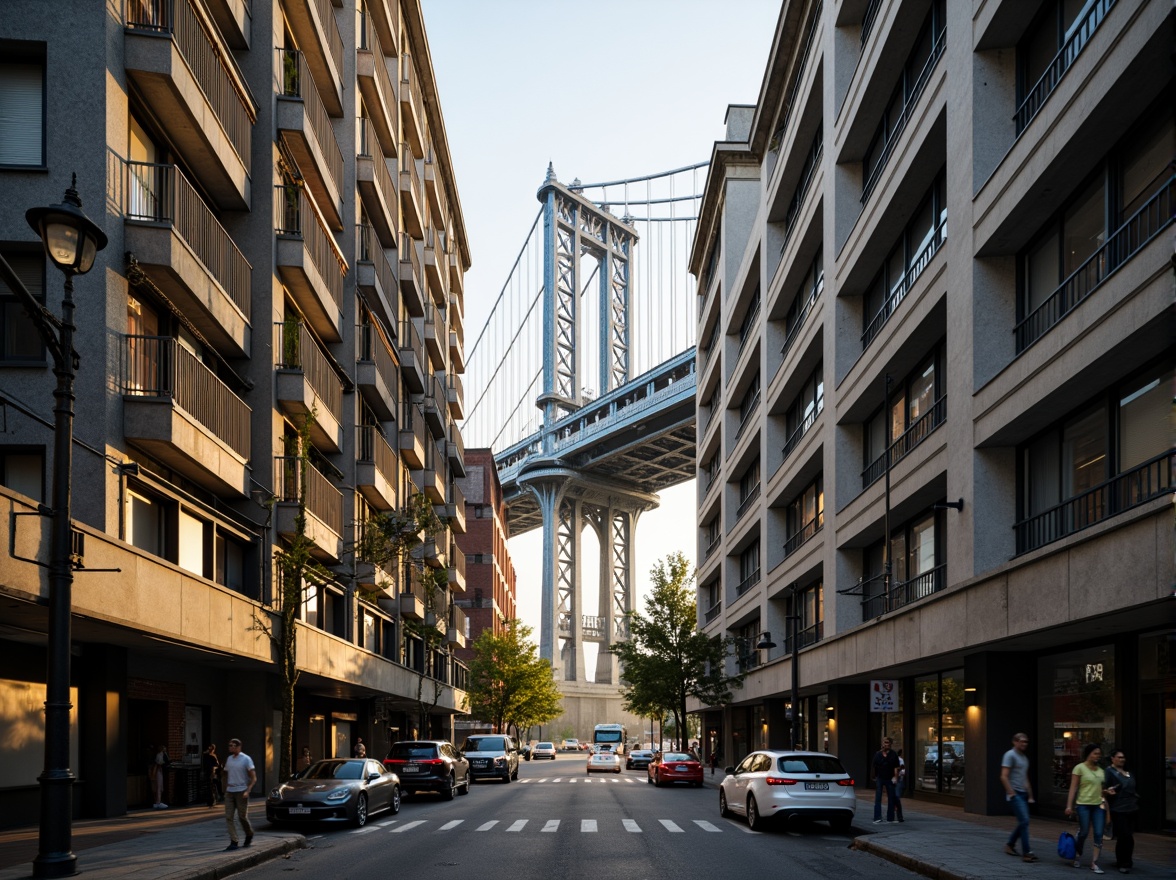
(944, 842)
(180, 844)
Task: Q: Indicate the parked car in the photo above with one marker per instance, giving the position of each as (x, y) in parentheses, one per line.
(492, 756)
(571, 745)
(604, 762)
(543, 750)
(771, 784)
(952, 761)
(429, 765)
(670, 767)
(638, 759)
(350, 789)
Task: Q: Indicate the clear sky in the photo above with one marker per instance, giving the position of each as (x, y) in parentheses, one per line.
(603, 90)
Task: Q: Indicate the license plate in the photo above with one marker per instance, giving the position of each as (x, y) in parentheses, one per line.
(479, 762)
(410, 768)
(816, 786)
(299, 811)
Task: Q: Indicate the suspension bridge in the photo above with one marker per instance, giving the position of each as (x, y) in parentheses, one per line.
(582, 381)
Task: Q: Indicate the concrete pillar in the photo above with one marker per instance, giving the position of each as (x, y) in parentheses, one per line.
(102, 719)
(1004, 703)
(849, 730)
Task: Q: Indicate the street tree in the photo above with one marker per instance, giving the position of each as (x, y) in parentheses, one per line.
(666, 660)
(509, 683)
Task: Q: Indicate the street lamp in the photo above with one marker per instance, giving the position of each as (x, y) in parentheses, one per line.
(71, 240)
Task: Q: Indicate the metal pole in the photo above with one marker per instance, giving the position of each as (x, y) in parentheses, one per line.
(886, 561)
(794, 619)
(55, 857)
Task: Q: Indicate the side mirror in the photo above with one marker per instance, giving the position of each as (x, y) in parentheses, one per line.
(730, 771)
(372, 777)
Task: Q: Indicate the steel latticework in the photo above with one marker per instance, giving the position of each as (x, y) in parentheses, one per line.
(582, 381)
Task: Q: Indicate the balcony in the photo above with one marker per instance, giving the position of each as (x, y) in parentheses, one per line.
(379, 95)
(196, 92)
(456, 275)
(436, 270)
(434, 336)
(919, 431)
(803, 428)
(412, 357)
(455, 395)
(305, 129)
(313, 24)
(747, 501)
(801, 317)
(308, 383)
(375, 276)
(309, 261)
(411, 201)
(747, 583)
(382, 14)
(178, 242)
(234, 19)
(904, 284)
(177, 410)
(434, 552)
(430, 479)
(435, 406)
(412, 107)
(413, 436)
(412, 606)
(905, 593)
(411, 279)
(435, 193)
(376, 467)
(454, 510)
(324, 506)
(804, 534)
(376, 189)
(377, 374)
(457, 617)
(455, 452)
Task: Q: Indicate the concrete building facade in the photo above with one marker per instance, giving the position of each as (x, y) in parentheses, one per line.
(286, 247)
(935, 470)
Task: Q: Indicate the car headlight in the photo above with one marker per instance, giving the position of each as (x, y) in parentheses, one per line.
(501, 759)
(341, 794)
(276, 794)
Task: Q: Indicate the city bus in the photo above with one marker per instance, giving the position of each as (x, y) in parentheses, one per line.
(612, 735)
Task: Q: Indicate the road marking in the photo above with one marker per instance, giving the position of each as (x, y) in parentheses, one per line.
(315, 837)
(707, 826)
(544, 779)
(571, 780)
(367, 829)
(588, 826)
(407, 826)
(517, 826)
(557, 779)
(487, 825)
(450, 825)
(631, 825)
(629, 779)
(552, 825)
(671, 826)
(525, 781)
(389, 822)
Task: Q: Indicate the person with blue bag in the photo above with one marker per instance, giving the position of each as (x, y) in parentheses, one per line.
(1014, 778)
(1087, 782)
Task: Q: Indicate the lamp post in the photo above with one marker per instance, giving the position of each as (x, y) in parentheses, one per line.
(71, 240)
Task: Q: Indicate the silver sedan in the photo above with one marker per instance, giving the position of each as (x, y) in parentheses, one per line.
(350, 789)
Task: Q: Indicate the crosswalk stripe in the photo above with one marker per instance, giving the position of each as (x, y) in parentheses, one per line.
(557, 779)
(367, 829)
(407, 826)
(588, 826)
(573, 780)
(488, 825)
(517, 826)
(450, 825)
(552, 825)
(629, 779)
(707, 826)
(671, 826)
(544, 779)
(525, 781)
(389, 822)
(631, 825)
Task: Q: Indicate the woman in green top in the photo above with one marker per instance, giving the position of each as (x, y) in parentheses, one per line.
(1086, 786)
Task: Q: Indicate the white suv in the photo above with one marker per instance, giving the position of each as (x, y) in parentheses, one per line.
(770, 784)
(571, 745)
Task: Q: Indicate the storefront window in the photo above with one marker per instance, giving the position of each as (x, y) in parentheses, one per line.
(938, 761)
(1077, 707)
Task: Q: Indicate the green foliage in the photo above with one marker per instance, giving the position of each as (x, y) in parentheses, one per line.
(666, 660)
(509, 683)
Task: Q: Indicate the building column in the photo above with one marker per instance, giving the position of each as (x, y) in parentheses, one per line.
(1004, 703)
(849, 730)
(102, 722)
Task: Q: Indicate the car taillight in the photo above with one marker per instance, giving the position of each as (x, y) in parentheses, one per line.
(777, 780)
(845, 782)
(431, 761)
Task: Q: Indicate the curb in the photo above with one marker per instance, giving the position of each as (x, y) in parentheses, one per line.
(919, 866)
(243, 862)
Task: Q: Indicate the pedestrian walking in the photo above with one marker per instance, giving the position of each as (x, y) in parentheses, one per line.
(1014, 778)
(885, 768)
(1124, 805)
(899, 785)
(158, 775)
(211, 765)
(360, 749)
(240, 777)
(1087, 782)
(714, 761)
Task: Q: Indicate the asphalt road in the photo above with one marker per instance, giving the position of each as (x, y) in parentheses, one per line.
(556, 823)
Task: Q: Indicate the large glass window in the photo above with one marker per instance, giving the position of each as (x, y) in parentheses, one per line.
(22, 107)
(938, 762)
(23, 470)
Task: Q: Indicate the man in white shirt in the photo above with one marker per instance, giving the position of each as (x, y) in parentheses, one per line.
(240, 777)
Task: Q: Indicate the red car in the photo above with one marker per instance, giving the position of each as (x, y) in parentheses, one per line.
(668, 767)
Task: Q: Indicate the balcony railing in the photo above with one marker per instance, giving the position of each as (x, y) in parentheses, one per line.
(1080, 35)
(797, 201)
(409, 80)
(905, 593)
(709, 475)
(748, 411)
(161, 194)
(899, 291)
(322, 499)
(410, 339)
(747, 583)
(803, 428)
(296, 349)
(712, 612)
(408, 166)
(369, 250)
(810, 635)
(804, 533)
(748, 327)
(802, 316)
(298, 83)
(334, 40)
(904, 116)
(157, 366)
(374, 447)
(295, 216)
(746, 502)
(1130, 238)
(1152, 479)
(919, 430)
(375, 348)
(790, 104)
(869, 18)
(202, 54)
(369, 147)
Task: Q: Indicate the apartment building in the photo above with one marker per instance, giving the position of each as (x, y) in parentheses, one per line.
(935, 470)
(287, 249)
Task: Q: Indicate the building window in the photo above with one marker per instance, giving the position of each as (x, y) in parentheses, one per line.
(748, 403)
(747, 657)
(747, 325)
(805, 515)
(20, 342)
(917, 567)
(144, 521)
(802, 303)
(749, 568)
(812, 161)
(229, 562)
(23, 471)
(917, 407)
(803, 412)
(22, 105)
(749, 488)
(938, 762)
(808, 604)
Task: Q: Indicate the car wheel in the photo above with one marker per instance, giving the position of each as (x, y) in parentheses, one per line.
(506, 778)
(841, 823)
(450, 789)
(648, 779)
(466, 788)
(394, 804)
(724, 811)
(754, 820)
(516, 773)
(697, 784)
(359, 817)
